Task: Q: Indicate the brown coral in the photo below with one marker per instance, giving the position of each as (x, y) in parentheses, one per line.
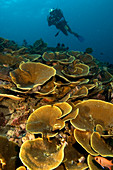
(91, 113)
(8, 153)
(63, 58)
(79, 70)
(30, 75)
(100, 146)
(45, 120)
(83, 138)
(41, 154)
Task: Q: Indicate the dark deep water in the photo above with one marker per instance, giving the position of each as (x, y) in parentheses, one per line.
(93, 19)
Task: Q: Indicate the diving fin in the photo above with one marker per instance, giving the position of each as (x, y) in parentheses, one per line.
(57, 33)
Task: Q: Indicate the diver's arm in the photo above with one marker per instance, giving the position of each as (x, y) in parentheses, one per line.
(49, 20)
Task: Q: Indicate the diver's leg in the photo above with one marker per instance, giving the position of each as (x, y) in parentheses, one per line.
(69, 30)
(64, 31)
(80, 38)
(61, 27)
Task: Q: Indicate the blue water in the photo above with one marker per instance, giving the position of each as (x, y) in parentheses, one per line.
(93, 19)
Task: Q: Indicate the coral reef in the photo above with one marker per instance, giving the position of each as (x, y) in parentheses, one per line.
(56, 108)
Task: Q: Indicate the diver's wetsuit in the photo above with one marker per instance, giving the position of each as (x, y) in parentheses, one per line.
(56, 18)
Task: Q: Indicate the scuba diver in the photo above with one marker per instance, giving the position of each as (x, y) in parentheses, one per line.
(56, 18)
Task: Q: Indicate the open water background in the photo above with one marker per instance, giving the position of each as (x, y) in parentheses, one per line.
(93, 19)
